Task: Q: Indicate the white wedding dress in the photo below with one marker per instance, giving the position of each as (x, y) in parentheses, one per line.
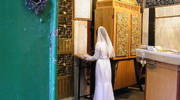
(103, 51)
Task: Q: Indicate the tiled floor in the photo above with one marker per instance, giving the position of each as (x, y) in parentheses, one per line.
(126, 94)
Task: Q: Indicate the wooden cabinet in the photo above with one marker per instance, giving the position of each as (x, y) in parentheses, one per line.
(124, 74)
(123, 23)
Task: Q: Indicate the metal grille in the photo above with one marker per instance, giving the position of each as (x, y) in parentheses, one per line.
(65, 49)
(65, 65)
(65, 18)
(151, 3)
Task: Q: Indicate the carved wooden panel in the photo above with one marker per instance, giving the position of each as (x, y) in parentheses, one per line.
(65, 18)
(65, 45)
(135, 32)
(122, 34)
(65, 65)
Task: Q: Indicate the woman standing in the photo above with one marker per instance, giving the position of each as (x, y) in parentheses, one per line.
(103, 51)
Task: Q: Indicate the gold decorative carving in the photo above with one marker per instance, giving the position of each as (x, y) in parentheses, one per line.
(65, 46)
(136, 33)
(122, 34)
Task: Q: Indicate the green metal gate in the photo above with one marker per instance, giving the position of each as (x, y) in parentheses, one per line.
(27, 51)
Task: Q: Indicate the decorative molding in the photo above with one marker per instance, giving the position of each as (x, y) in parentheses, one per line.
(168, 16)
(135, 32)
(102, 4)
(132, 2)
(82, 19)
(127, 6)
(122, 34)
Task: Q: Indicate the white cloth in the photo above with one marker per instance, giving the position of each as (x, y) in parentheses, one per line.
(103, 51)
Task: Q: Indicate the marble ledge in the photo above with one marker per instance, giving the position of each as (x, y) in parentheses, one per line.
(164, 57)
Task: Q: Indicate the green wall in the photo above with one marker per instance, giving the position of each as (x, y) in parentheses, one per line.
(25, 61)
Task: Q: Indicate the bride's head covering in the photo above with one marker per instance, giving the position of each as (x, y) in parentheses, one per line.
(104, 37)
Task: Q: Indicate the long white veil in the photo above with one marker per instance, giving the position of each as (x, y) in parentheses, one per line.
(104, 37)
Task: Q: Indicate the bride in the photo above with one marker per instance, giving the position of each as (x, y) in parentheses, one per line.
(103, 51)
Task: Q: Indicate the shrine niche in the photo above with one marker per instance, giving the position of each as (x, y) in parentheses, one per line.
(122, 19)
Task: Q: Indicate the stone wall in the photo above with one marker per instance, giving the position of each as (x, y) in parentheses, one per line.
(145, 26)
(167, 31)
(167, 22)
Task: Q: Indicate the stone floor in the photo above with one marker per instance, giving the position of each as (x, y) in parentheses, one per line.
(129, 94)
(125, 94)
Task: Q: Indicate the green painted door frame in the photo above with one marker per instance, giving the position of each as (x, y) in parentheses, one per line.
(27, 51)
(53, 52)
